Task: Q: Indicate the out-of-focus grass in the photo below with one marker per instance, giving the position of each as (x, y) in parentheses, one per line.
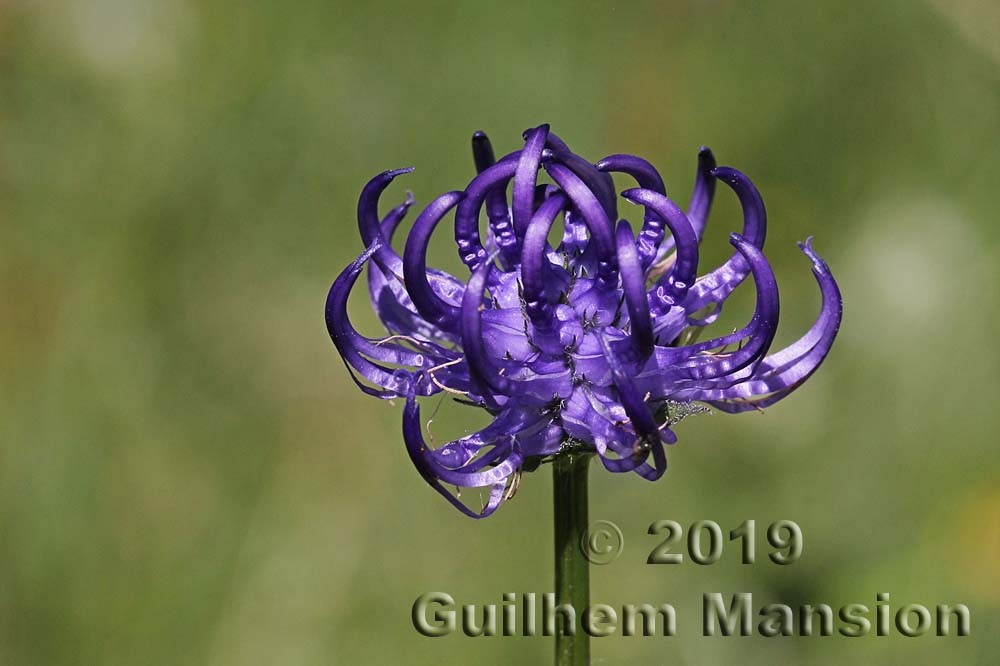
(188, 476)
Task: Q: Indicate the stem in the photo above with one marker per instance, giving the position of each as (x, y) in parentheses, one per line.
(569, 476)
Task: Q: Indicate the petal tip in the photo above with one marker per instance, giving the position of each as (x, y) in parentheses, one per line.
(808, 250)
(544, 127)
(722, 173)
(632, 195)
(392, 173)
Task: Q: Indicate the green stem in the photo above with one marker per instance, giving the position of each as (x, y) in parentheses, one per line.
(569, 476)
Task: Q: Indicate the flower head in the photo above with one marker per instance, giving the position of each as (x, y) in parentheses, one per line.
(587, 344)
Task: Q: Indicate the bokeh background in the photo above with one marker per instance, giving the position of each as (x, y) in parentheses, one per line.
(187, 474)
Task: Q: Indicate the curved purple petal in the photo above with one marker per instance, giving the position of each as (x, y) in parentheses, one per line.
(435, 473)
(594, 215)
(647, 178)
(480, 364)
(429, 304)
(470, 247)
(357, 350)
(781, 373)
(523, 197)
(534, 261)
(674, 286)
(634, 288)
(721, 282)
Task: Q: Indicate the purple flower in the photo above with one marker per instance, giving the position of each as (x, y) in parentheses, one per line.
(590, 344)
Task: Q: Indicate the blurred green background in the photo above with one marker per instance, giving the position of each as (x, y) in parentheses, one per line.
(187, 474)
